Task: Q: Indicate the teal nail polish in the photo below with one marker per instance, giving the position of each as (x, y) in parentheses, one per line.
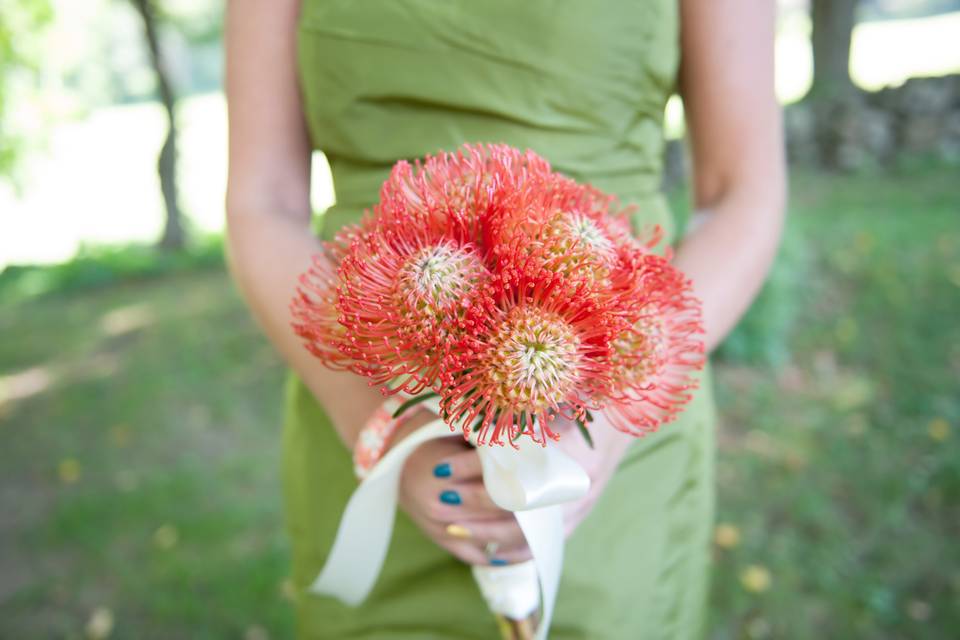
(450, 497)
(442, 470)
(498, 562)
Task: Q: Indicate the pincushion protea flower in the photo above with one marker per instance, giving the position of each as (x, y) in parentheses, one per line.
(404, 299)
(315, 307)
(458, 194)
(653, 359)
(511, 291)
(573, 228)
(546, 354)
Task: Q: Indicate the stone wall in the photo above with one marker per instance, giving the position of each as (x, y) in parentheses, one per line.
(920, 117)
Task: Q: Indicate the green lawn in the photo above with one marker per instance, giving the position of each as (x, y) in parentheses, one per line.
(140, 423)
(841, 469)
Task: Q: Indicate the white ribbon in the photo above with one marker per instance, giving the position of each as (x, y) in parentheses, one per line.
(532, 481)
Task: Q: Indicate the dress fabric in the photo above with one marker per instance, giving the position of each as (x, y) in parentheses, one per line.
(583, 84)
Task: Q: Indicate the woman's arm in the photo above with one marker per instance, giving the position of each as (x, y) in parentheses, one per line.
(739, 173)
(269, 240)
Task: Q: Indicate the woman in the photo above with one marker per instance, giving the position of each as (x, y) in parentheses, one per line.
(584, 85)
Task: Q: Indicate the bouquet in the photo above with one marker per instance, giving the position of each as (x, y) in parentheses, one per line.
(505, 295)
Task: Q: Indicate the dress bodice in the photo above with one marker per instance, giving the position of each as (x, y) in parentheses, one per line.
(583, 84)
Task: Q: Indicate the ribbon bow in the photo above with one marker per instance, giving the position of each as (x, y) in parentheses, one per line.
(532, 481)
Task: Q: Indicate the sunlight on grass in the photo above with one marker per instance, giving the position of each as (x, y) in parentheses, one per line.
(98, 183)
(126, 319)
(24, 384)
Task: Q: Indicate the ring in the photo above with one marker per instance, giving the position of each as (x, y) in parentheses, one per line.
(490, 549)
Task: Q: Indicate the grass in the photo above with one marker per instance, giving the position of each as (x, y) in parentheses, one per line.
(140, 418)
(840, 470)
(99, 266)
(140, 463)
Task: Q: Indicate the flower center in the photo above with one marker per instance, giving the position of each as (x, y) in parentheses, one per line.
(574, 241)
(535, 359)
(437, 278)
(585, 230)
(639, 354)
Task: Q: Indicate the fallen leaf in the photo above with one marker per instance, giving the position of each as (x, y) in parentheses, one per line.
(69, 470)
(166, 536)
(939, 429)
(726, 536)
(120, 435)
(100, 624)
(755, 578)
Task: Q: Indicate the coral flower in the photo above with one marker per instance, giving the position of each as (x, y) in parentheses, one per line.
(574, 229)
(314, 310)
(514, 292)
(458, 193)
(315, 307)
(405, 297)
(654, 358)
(546, 355)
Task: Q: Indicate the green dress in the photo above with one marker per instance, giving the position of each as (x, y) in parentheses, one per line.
(583, 84)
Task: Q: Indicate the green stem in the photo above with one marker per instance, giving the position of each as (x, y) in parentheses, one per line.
(413, 402)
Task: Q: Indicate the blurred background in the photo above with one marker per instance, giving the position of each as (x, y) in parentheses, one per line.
(140, 407)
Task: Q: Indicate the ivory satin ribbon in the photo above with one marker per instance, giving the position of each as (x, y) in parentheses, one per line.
(532, 481)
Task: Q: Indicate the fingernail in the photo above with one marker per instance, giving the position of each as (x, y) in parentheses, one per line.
(450, 497)
(442, 470)
(498, 562)
(458, 531)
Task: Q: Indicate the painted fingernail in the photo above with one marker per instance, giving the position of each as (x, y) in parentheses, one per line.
(458, 531)
(498, 562)
(442, 470)
(450, 497)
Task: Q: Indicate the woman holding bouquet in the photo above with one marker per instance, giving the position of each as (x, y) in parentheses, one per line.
(584, 85)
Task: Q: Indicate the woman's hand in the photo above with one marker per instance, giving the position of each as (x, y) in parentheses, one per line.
(442, 485)
(600, 462)
(441, 489)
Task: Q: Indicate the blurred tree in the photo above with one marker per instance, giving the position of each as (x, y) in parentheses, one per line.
(832, 93)
(20, 24)
(833, 22)
(174, 235)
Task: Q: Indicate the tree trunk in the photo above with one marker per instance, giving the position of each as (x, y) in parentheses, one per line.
(833, 22)
(173, 232)
(832, 96)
